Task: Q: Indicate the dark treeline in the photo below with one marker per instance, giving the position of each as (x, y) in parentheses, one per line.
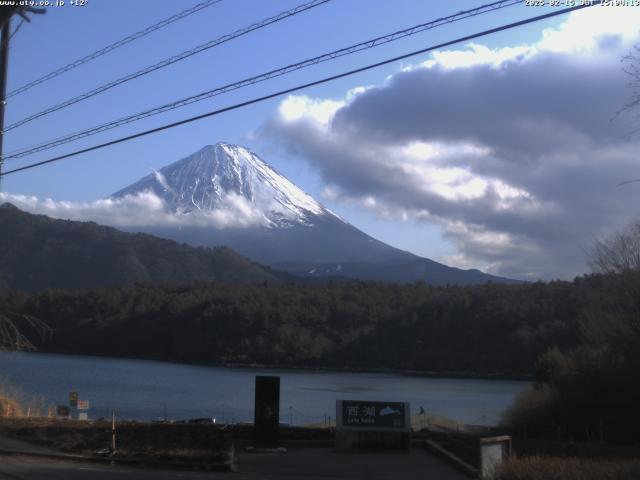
(486, 329)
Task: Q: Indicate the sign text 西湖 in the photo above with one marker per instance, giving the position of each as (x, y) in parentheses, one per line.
(373, 414)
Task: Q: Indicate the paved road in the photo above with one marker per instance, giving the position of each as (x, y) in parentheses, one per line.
(24, 468)
(15, 445)
(321, 464)
(317, 464)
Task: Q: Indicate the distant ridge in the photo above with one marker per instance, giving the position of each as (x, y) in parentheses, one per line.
(39, 252)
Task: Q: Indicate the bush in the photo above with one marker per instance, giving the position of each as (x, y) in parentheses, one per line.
(535, 412)
(590, 392)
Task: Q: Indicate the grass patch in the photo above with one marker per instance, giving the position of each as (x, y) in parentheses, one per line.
(553, 468)
(15, 403)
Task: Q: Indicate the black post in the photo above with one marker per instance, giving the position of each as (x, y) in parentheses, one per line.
(4, 65)
(267, 412)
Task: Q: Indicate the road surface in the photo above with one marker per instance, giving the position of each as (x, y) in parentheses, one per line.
(297, 464)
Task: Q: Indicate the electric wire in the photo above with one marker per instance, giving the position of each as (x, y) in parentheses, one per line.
(170, 61)
(109, 48)
(627, 182)
(305, 85)
(16, 29)
(372, 43)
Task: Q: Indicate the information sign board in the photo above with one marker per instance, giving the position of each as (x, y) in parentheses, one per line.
(365, 425)
(369, 414)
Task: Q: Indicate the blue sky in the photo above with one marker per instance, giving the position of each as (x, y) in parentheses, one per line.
(67, 33)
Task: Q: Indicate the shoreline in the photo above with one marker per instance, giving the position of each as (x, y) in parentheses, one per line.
(314, 368)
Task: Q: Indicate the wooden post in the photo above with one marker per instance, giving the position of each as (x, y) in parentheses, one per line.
(113, 432)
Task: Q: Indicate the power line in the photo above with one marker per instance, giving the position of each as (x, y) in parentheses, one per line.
(264, 76)
(109, 48)
(17, 28)
(306, 85)
(170, 61)
(626, 182)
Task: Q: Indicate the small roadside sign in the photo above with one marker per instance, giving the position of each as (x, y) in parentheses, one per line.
(83, 404)
(83, 416)
(73, 399)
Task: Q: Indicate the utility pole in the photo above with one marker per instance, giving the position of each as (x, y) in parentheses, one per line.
(5, 17)
(4, 64)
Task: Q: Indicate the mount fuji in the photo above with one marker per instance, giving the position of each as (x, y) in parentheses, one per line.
(286, 228)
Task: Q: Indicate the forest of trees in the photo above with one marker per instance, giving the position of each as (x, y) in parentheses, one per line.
(487, 329)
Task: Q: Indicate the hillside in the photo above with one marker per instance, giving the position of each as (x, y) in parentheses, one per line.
(39, 252)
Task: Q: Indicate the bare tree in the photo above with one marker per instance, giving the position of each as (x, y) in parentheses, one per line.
(631, 67)
(618, 252)
(13, 327)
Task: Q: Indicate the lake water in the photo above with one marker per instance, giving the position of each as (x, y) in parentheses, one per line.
(149, 390)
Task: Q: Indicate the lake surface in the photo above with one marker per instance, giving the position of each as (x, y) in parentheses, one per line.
(149, 390)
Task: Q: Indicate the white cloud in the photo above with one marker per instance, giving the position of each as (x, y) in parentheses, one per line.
(586, 30)
(510, 150)
(143, 209)
(477, 54)
(298, 107)
(594, 31)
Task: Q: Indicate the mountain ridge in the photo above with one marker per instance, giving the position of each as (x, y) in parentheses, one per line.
(298, 235)
(40, 252)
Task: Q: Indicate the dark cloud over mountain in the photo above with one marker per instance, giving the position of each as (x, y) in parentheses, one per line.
(516, 153)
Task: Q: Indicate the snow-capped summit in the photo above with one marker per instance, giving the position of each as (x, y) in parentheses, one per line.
(204, 179)
(295, 232)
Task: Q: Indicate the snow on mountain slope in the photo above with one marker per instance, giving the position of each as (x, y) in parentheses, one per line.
(298, 234)
(204, 180)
